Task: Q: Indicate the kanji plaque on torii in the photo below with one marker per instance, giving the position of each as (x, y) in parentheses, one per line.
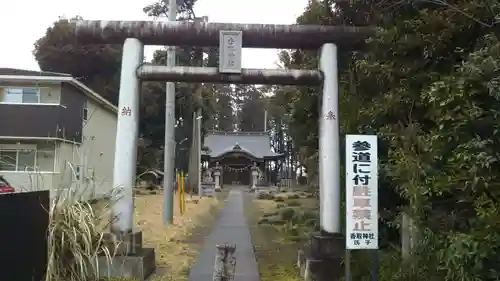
(230, 51)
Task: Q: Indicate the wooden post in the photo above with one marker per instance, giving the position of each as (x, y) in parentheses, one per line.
(183, 192)
(179, 191)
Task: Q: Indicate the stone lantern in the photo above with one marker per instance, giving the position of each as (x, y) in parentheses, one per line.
(217, 174)
(255, 175)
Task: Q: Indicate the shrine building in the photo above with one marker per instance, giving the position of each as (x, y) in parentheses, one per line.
(236, 152)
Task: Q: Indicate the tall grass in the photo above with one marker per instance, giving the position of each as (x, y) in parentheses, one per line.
(76, 228)
(75, 239)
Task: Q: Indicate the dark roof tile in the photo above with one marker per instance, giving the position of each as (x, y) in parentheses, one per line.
(23, 72)
(255, 143)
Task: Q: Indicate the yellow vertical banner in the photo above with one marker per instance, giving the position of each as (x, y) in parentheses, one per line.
(178, 176)
(183, 199)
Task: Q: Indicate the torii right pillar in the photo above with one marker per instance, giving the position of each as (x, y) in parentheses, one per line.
(323, 260)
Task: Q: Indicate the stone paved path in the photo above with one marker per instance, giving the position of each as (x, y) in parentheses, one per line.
(230, 227)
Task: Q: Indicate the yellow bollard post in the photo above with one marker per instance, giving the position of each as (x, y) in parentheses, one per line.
(178, 176)
(183, 200)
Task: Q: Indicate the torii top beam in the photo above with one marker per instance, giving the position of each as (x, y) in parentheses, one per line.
(200, 34)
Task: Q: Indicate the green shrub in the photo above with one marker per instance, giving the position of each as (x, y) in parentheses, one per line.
(267, 196)
(311, 215)
(264, 195)
(294, 204)
(276, 221)
(269, 214)
(287, 214)
(293, 231)
(298, 218)
(296, 238)
(311, 222)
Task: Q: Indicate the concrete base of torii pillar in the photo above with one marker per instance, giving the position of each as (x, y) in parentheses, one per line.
(322, 260)
(131, 259)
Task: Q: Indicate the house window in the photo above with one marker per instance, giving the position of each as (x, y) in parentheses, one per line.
(17, 160)
(26, 160)
(85, 112)
(20, 95)
(45, 160)
(23, 160)
(8, 160)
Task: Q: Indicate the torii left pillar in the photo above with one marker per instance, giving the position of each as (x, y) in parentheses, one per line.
(131, 260)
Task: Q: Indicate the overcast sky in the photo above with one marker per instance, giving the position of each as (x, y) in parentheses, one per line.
(23, 22)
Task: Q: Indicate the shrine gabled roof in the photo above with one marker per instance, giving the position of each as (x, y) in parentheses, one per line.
(253, 143)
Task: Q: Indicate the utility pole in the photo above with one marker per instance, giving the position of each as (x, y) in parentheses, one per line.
(195, 167)
(198, 150)
(199, 121)
(194, 178)
(169, 154)
(192, 157)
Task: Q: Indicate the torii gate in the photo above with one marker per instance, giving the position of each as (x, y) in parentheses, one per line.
(134, 34)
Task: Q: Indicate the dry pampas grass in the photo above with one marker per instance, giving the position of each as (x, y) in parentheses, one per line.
(75, 239)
